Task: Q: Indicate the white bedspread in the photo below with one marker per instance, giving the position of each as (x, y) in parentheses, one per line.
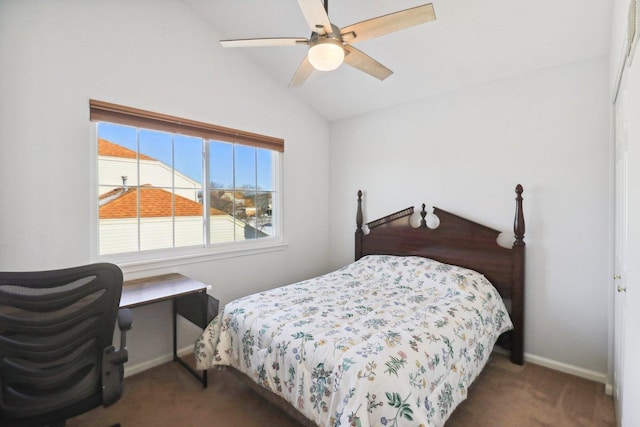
(385, 341)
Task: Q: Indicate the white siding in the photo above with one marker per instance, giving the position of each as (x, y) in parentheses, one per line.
(111, 170)
(225, 229)
(120, 235)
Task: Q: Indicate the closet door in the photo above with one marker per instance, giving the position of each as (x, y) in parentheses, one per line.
(621, 246)
(627, 246)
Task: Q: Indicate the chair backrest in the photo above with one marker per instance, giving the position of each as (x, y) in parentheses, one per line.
(54, 326)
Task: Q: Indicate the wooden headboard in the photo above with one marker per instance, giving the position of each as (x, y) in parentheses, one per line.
(457, 241)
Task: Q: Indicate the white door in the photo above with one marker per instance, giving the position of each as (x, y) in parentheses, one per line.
(620, 247)
(629, 299)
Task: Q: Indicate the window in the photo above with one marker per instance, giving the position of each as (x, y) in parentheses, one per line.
(166, 182)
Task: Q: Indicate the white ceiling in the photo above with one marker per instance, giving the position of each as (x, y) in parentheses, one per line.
(470, 42)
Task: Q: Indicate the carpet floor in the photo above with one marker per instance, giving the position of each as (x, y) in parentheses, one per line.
(504, 395)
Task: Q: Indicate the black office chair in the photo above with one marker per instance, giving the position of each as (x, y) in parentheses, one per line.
(56, 354)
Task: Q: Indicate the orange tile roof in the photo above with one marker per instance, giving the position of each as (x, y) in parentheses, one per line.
(154, 202)
(110, 149)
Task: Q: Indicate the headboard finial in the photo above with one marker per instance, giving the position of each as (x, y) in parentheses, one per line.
(359, 212)
(359, 232)
(518, 224)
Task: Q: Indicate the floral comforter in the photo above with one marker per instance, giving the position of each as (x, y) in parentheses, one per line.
(384, 341)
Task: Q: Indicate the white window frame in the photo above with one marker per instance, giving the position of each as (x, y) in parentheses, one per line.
(141, 261)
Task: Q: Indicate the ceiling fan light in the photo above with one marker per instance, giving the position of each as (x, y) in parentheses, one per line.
(326, 55)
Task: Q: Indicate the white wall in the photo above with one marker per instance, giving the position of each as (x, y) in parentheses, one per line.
(156, 55)
(466, 151)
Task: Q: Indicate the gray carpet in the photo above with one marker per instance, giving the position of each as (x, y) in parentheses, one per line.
(504, 395)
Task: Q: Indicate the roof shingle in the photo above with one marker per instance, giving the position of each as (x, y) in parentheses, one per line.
(110, 149)
(154, 203)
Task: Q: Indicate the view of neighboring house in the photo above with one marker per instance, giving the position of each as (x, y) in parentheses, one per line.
(241, 202)
(164, 211)
(118, 165)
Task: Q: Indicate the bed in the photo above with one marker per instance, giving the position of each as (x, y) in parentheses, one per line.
(393, 339)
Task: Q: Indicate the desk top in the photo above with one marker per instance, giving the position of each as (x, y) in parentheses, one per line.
(153, 289)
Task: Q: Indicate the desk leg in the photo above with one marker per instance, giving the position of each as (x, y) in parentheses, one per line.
(200, 377)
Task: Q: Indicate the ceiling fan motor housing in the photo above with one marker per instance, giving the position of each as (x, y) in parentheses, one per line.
(326, 52)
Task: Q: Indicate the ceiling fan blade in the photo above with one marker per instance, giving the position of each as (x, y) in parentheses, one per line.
(302, 73)
(316, 16)
(386, 24)
(282, 41)
(363, 62)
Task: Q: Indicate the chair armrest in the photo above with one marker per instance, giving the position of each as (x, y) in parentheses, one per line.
(113, 361)
(125, 319)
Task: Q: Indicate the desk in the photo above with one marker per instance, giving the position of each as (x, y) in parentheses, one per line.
(174, 287)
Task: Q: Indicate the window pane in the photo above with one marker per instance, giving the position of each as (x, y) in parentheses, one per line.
(228, 218)
(188, 158)
(221, 165)
(156, 158)
(265, 171)
(188, 220)
(117, 195)
(223, 201)
(264, 214)
(223, 226)
(118, 236)
(156, 217)
(118, 214)
(189, 231)
(245, 167)
(125, 136)
(187, 176)
(257, 215)
(117, 154)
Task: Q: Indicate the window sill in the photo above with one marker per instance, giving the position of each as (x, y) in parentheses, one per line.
(141, 262)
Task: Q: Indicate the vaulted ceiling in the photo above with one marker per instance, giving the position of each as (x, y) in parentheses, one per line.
(471, 42)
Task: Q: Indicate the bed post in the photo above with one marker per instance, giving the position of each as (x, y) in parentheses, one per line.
(359, 232)
(517, 291)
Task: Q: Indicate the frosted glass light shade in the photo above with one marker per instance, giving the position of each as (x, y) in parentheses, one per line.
(326, 55)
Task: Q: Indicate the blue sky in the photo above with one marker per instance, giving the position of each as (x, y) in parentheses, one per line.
(187, 157)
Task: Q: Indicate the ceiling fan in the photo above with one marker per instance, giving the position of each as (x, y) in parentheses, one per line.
(329, 45)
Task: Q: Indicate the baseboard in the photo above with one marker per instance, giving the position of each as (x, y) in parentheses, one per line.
(608, 388)
(598, 377)
(136, 369)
